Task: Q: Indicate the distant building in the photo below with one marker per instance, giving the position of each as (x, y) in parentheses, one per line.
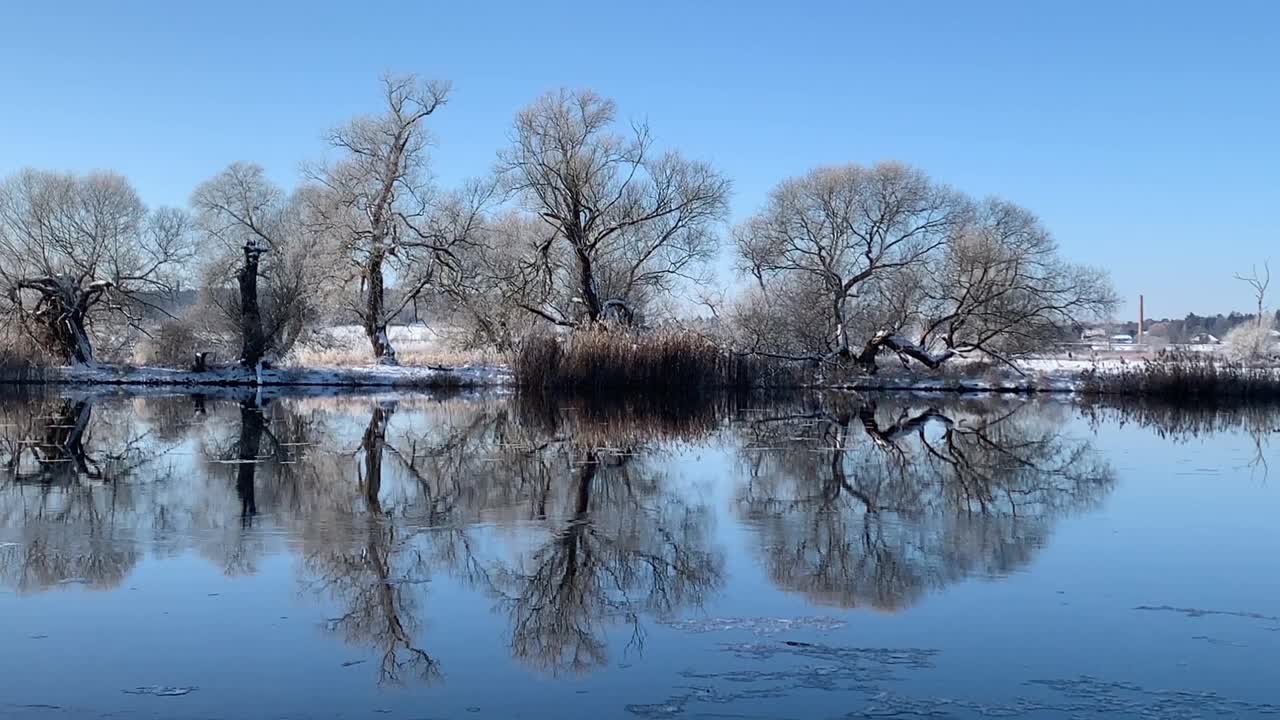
(1205, 339)
(1121, 339)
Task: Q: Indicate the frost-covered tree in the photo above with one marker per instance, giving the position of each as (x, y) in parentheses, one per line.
(850, 261)
(999, 287)
(839, 234)
(257, 243)
(622, 222)
(74, 249)
(1248, 342)
(376, 200)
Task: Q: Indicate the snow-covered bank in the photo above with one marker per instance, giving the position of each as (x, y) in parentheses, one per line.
(360, 376)
(1009, 384)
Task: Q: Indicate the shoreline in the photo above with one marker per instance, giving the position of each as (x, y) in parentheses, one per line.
(1056, 381)
(480, 377)
(373, 376)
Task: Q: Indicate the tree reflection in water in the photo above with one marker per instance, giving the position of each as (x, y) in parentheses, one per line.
(874, 505)
(65, 492)
(565, 517)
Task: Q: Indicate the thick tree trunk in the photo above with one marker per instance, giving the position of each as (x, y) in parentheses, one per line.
(76, 339)
(253, 341)
(587, 287)
(61, 313)
(842, 330)
(372, 444)
(64, 329)
(251, 427)
(902, 346)
(375, 322)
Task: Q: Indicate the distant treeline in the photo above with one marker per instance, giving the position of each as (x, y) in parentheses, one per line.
(1187, 329)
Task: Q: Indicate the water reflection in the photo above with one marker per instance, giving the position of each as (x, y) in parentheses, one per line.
(571, 521)
(875, 504)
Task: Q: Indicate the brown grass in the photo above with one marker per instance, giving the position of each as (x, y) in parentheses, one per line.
(617, 359)
(22, 362)
(361, 356)
(1198, 378)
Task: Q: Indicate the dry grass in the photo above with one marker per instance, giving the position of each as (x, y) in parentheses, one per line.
(22, 362)
(416, 346)
(1198, 378)
(623, 421)
(612, 358)
(356, 357)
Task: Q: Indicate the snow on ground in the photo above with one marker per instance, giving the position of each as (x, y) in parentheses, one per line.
(363, 376)
(415, 345)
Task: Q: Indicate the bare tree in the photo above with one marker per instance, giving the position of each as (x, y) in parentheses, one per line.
(840, 233)
(999, 288)
(73, 249)
(1259, 283)
(497, 278)
(377, 201)
(867, 506)
(886, 255)
(246, 217)
(622, 221)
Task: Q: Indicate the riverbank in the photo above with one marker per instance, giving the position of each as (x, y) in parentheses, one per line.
(1195, 378)
(356, 376)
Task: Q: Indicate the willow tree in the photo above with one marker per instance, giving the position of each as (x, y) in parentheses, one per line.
(376, 201)
(256, 240)
(1000, 289)
(840, 233)
(622, 222)
(850, 261)
(74, 249)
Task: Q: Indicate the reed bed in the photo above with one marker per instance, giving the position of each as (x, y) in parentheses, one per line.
(617, 359)
(1192, 378)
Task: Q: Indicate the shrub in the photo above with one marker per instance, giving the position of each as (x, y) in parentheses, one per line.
(1251, 343)
(174, 345)
(21, 361)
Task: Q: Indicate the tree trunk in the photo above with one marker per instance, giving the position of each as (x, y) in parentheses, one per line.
(372, 444)
(77, 339)
(902, 346)
(65, 325)
(251, 427)
(375, 324)
(253, 341)
(587, 287)
(59, 317)
(842, 330)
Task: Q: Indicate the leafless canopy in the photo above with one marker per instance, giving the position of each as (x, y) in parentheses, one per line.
(888, 256)
(73, 249)
(1258, 282)
(840, 234)
(621, 222)
(1001, 288)
(256, 241)
(378, 203)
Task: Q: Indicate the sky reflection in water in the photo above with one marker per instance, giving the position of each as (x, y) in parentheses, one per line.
(810, 556)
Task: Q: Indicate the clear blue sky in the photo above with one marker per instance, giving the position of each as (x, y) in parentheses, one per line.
(1144, 133)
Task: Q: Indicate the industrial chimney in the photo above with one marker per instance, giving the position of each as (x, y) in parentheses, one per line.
(1141, 317)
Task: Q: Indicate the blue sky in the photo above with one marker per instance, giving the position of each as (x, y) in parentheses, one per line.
(1143, 133)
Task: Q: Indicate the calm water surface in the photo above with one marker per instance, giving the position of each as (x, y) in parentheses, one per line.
(493, 557)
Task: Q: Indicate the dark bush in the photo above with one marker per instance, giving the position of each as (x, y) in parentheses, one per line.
(22, 362)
